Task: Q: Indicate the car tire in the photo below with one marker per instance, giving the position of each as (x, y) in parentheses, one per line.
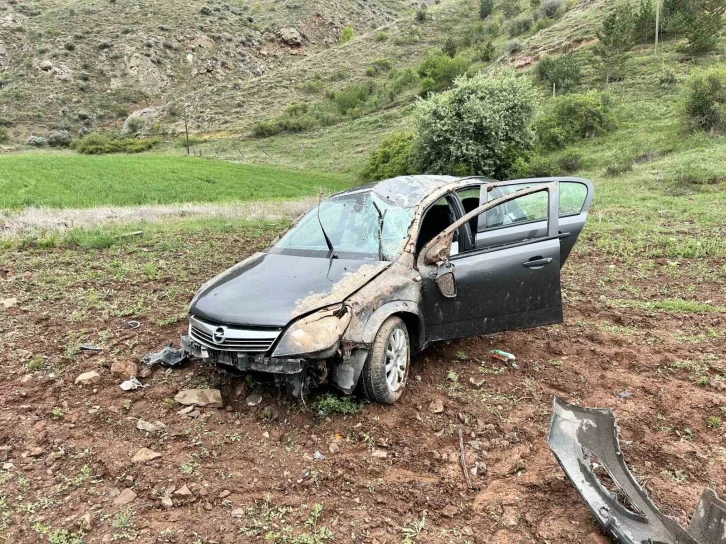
(385, 371)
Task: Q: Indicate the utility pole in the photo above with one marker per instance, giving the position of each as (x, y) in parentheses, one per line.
(554, 88)
(186, 127)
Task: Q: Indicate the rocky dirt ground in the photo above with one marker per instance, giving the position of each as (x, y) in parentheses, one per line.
(72, 472)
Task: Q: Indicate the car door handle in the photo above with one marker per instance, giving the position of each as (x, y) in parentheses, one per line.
(537, 262)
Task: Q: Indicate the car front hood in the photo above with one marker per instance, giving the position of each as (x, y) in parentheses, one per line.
(270, 289)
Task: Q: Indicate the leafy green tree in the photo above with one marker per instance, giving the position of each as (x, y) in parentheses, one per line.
(574, 117)
(615, 39)
(644, 22)
(562, 71)
(480, 126)
(486, 51)
(485, 8)
(438, 70)
(703, 25)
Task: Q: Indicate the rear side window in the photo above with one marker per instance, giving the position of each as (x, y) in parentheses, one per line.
(572, 197)
(524, 209)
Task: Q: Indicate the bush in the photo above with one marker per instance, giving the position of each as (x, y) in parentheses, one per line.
(347, 34)
(449, 47)
(511, 8)
(480, 126)
(520, 25)
(99, 144)
(352, 98)
(619, 166)
(513, 47)
(438, 71)
(379, 66)
(704, 24)
(705, 104)
(3, 134)
(403, 79)
(392, 158)
(37, 141)
(381, 36)
(569, 161)
(59, 138)
(485, 8)
(552, 8)
(574, 117)
(486, 52)
(422, 14)
(667, 78)
(562, 71)
(537, 166)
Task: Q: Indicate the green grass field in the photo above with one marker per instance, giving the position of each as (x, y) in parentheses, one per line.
(78, 181)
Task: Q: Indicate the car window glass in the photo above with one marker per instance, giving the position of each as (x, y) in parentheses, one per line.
(532, 207)
(351, 221)
(572, 195)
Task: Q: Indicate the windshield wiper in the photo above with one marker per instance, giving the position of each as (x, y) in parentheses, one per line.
(325, 234)
(381, 219)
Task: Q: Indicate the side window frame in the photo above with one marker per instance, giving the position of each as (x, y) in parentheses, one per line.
(455, 205)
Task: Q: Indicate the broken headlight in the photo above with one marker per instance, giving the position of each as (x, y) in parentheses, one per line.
(315, 333)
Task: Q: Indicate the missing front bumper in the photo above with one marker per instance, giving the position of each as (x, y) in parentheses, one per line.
(585, 442)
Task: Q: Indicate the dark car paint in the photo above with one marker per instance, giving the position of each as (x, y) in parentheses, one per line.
(267, 289)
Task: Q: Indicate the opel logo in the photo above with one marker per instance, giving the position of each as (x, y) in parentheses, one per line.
(218, 335)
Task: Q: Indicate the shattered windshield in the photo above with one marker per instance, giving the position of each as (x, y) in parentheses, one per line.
(351, 221)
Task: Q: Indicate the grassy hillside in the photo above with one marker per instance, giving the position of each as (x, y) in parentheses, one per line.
(63, 180)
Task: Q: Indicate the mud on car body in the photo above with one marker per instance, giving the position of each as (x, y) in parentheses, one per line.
(375, 273)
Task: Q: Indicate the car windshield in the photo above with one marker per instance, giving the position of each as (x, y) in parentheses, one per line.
(351, 221)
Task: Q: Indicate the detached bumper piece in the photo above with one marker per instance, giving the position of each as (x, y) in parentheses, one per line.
(166, 357)
(585, 443)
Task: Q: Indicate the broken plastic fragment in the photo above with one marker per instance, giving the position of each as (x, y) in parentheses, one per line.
(502, 355)
(131, 385)
(169, 356)
(90, 347)
(585, 443)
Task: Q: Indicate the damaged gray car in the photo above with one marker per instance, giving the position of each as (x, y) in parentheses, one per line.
(374, 274)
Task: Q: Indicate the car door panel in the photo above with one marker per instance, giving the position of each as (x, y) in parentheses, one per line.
(498, 288)
(510, 234)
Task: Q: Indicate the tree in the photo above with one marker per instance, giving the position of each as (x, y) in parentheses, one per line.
(703, 25)
(449, 47)
(480, 126)
(562, 71)
(615, 39)
(644, 22)
(392, 158)
(705, 105)
(485, 8)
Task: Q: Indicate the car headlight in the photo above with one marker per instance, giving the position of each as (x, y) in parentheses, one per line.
(315, 333)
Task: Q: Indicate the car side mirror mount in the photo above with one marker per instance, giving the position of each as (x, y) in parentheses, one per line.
(439, 252)
(445, 279)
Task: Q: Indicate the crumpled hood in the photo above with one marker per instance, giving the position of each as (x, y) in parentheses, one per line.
(270, 289)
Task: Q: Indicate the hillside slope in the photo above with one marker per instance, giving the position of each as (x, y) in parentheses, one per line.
(84, 65)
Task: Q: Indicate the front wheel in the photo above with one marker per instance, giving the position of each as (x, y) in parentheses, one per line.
(385, 371)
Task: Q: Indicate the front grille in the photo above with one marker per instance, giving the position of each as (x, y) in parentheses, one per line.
(227, 338)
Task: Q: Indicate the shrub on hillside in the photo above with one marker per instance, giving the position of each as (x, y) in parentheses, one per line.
(551, 8)
(392, 158)
(700, 21)
(511, 8)
(449, 47)
(513, 47)
(437, 70)
(573, 117)
(59, 138)
(705, 105)
(3, 134)
(347, 34)
(485, 8)
(480, 126)
(352, 98)
(422, 14)
(520, 25)
(37, 141)
(644, 22)
(562, 71)
(99, 144)
(486, 52)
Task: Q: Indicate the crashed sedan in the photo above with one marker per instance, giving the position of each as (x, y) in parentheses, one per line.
(376, 273)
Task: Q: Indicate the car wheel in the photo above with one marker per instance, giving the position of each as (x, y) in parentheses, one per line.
(385, 371)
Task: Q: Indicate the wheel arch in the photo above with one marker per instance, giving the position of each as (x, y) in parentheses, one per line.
(408, 311)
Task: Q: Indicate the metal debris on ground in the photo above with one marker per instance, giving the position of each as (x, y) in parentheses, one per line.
(132, 324)
(318, 456)
(131, 385)
(169, 356)
(585, 443)
(623, 394)
(90, 347)
(254, 399)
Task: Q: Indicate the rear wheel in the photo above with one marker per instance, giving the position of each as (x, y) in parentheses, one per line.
(385, 371)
